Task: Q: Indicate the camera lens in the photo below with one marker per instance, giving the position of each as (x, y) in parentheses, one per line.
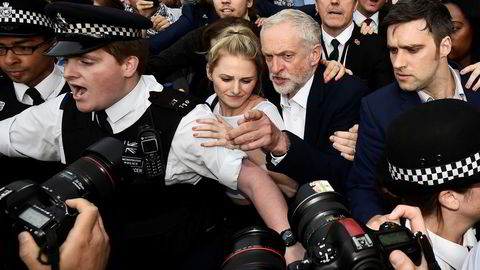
(311, 213)
(256, 248)
(92, 176)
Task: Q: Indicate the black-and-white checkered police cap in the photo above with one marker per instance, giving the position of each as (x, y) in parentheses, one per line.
(24, 17)
(81, 28)
(433, 146)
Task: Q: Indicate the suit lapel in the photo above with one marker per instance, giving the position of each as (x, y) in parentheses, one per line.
(409, 98)
(315, 99)
(353, 45)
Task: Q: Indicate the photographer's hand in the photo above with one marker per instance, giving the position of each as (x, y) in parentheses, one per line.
(86, 247)
(398, 259)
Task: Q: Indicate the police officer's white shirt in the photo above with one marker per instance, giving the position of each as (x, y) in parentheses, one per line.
(458, 93)
(359, 18)
(472, 262)
(36, 133)
(48, 88)
(450, 255)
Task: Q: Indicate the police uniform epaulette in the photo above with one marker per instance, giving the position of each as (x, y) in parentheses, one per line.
(174, 99)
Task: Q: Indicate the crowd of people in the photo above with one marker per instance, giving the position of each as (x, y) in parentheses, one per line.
(247, 100)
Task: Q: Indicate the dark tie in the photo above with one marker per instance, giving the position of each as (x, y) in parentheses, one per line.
(102, 121)
(368, 21)
(35, 95)
(334, 54)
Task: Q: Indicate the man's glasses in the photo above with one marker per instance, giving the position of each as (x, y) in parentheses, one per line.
(21, 50)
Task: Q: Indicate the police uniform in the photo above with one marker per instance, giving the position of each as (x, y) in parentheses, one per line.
(431, 148)
(153, 222)
(25, 18)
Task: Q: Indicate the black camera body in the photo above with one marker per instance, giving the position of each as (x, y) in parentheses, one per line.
(41, 209)
(333, 240)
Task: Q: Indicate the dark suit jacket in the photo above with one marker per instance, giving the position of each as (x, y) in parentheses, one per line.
(377, 111)
(368, 58)
(330, 107)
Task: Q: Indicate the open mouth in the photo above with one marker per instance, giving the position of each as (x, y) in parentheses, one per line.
(77, 90)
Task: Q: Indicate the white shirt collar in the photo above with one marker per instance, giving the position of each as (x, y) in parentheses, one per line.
(131, 107)
(458, 94)
(342, 38)
(359, 18)
(449, 252)
(301, 97)
(53, 82)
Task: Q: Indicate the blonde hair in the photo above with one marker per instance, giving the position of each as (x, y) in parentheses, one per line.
(237, 40)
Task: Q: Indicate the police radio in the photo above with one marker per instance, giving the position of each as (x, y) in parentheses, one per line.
(151, 146)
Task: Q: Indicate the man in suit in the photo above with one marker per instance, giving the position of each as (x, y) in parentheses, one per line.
(30, 76)
(312, 110)
(368, 12)
(365, 55)
(418, 34)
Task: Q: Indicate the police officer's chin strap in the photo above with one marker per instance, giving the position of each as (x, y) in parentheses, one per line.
(51, 251)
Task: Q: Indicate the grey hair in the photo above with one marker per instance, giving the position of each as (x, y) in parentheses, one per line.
(307, 28)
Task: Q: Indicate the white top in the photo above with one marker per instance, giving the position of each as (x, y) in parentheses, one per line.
(358, 18)
(26, 135)
(449, 255)
(458, 94)
(472, 262)
(265, 106)
(49, 88)
(294, 110)
(342, 38)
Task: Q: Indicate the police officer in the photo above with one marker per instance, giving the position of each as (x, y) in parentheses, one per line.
(154, 222)
(29, 77)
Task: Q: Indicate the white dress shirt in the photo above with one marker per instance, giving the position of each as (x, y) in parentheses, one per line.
(294, 110)
(472, 262)
(358, 18)
(37, 133)
(450, 255)
(48, 88)
(458, 94)
(342, 38)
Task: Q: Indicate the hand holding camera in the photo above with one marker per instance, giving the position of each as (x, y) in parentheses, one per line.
(86, 247)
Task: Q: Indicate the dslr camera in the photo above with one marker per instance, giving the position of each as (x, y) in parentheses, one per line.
(334, 240)
(41, 209)
(321, 221)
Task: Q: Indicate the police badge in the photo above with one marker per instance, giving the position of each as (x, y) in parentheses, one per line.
(6, 10)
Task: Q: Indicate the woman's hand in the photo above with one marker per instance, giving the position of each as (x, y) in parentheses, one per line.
(213, 129)
(475, 70)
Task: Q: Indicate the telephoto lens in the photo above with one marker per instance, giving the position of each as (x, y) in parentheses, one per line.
(333, 240)
(256, 248)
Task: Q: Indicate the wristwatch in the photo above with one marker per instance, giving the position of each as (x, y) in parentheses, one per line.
(288, 237)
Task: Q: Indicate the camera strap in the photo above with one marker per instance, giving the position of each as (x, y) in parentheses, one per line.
(53, 251)
(427, 251)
